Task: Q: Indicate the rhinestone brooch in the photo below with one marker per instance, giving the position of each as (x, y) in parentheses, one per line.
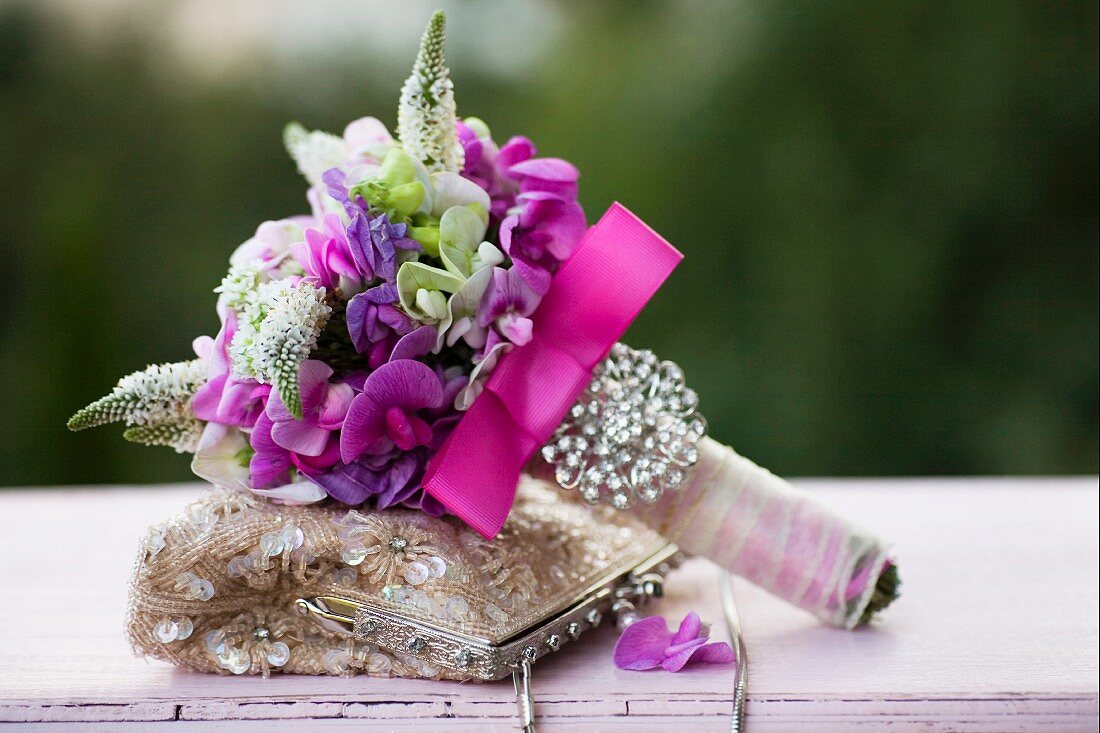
(633, 434)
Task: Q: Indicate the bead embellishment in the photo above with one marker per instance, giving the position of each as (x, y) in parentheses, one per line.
(633, 434)
(198, 588)
(173, 629)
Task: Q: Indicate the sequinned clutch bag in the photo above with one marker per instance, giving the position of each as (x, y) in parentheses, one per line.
(243, 586)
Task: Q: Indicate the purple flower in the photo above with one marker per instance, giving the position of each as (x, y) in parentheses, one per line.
(336, 187)
(311, 444)
(515, 151)
(374, 242)
(648, 643)
(394, 478)
(375, 323)
(271, 462)
(541, 236)
(477, 163)
(324, 406)
(508, 302)
(548, 175)
(224, 399)
(386, 414)
(390, 479)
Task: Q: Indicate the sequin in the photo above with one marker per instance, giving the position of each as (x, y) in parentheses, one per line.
(416, 573)
(278, 654)
(165, 631)
(337, 661)
(379, 664)
(237, 566)
(201, 589)
(353, 553)
(457, 608)
(271, 544)
(437, 566)
(184, 628)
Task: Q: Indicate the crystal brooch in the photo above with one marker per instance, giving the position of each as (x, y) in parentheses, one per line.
(633, 433)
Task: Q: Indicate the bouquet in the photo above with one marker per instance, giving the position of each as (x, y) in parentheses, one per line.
(444, 320)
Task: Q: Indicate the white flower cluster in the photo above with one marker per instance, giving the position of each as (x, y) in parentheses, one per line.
(241, 285)
(276, 331)
(314, 152)
(159, 394)
(426, 114)
(182, 436)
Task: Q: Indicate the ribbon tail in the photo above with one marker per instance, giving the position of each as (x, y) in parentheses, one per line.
(476, 471)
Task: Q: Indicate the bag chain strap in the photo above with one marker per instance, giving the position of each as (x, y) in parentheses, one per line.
(640, 590)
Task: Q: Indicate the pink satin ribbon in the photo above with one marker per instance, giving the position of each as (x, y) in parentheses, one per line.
(617, 267)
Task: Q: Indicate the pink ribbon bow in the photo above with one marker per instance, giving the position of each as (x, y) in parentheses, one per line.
(617, 267)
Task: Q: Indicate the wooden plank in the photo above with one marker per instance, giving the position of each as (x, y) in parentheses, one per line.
(997, 630)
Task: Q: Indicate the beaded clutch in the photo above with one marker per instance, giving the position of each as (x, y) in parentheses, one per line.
(243, 586)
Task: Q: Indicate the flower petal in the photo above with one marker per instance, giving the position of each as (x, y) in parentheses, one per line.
(405, 383)
(364, 428)
(294, 493)
(313, 378)
(450, 190)
(677, 656)
(461, 232)
(300, 436)
(716, 652)
(334, 409)
(349, 484)
(642, 644)
(216, 459)
(416, 344)
(689, 629)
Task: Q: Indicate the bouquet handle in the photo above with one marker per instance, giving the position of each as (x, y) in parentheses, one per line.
(760, 527)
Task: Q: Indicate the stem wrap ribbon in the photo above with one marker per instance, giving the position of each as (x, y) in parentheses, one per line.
(617, 267)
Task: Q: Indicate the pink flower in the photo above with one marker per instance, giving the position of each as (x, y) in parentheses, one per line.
(224, 399)
(326, 254)
(648, 643)
(508, 302)
(312, 444)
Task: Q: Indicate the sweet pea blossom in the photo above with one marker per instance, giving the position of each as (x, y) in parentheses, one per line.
(376, 245)
(507, 303)
(310, 444)
(271, 463)
(375, 323)
(388, 479)
(542, 235)
(534, 199)
(387, 413)
(324, 406)
(224, 398)
(272, 241)
(547, 175)
(394, 478)
(648, 643)
(326, 255)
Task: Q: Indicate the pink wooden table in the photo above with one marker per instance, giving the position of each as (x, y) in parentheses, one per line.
(996, 631)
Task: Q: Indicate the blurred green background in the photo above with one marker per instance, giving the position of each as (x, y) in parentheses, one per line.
(889, 210)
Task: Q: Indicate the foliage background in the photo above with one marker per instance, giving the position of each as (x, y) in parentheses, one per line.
(889, 210)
